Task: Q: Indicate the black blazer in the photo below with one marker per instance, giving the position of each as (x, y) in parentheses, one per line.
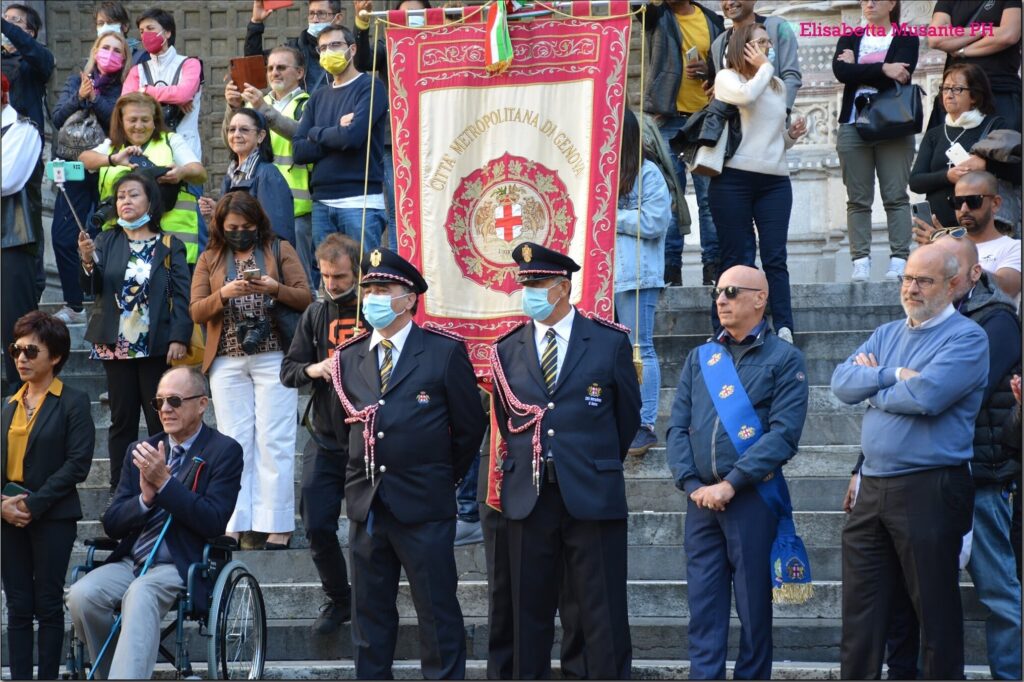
(591, 419)
(107, 277)
(429, 425)
(58, 454)
(902, 49)
(198, 515)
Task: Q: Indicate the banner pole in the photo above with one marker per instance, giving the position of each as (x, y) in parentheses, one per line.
(529, 10)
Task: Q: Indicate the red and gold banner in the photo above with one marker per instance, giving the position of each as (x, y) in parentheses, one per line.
(486, 161)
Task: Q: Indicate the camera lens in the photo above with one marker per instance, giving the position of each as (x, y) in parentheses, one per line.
(106, 212)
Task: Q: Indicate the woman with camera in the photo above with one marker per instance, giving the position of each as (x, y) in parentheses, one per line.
(248, 290)
(140, 141)
(252, 169)
(140, 322)
(48, 438)
(90, 96)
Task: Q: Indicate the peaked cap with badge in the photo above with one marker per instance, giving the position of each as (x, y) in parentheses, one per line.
(384, 266)
(537, 262)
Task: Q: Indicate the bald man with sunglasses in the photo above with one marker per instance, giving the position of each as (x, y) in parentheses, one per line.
(748, 376)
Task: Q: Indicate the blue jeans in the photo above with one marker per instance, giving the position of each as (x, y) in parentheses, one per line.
(994, 571)
(389, 199)
(465, 494)
(348, 221)
(708, 234)
(739, 199)
(625, 310)
(64, 233)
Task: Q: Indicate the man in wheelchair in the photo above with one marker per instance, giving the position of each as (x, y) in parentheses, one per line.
(189, 474)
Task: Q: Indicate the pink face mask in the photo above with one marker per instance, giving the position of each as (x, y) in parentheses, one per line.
(152, 41)
(109, 61)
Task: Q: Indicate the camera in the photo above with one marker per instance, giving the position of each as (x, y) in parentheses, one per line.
(106, 211)
(251, 332)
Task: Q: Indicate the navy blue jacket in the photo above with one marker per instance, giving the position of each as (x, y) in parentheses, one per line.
(34, 73)
(271, 189)
(591, 418)
(69, 102)
(700, 451)
(198, 516)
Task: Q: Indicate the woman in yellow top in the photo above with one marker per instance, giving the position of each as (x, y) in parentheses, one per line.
(46, 450)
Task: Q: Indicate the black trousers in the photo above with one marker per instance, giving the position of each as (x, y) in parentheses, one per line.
(914, 524)
(323, 489)
(426, 551)
(548, 546)
(132, 384)
(35, 560)
(18, 282)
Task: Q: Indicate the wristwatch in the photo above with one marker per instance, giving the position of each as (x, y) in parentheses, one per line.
(962, 52)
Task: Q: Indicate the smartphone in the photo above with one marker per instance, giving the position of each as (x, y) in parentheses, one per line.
(691, 54)
(65, 171)
(254, 273)
(12, 489)
(923, 211)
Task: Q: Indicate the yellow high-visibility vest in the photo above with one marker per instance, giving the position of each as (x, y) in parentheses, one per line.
(297, 176)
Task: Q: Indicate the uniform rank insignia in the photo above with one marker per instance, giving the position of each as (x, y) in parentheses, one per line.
(527, 254)
(422, 398)
(746, 432)
(375, 258)
(713, 360)
(726, 391)
(593, 395)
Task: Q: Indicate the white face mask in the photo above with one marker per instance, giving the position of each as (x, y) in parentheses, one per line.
(417, 21)
(104, 29)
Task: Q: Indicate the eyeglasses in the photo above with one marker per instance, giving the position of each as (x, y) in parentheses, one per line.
(279, 67)
(922, 282)
(241, 129)
(761, 42)
(336, 46)
(31, 351)
(174, 401)
(957, 232)
(973, 201)
(319, 15)
(730, 292)
(18, 19)
(954, 90)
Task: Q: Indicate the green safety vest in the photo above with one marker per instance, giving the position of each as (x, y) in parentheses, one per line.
(183, 220)
(297, 176)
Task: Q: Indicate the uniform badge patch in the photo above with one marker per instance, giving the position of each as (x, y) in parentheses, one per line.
(726, 391)
(527, 254)
(746, 432)
(375, 258)
(593, 397)
(795, 569)
(422, 398)
(713, 360)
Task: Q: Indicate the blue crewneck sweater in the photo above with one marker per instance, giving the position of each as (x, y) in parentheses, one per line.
(926, 421)
(338, 153)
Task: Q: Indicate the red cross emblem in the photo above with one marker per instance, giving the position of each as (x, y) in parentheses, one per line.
(508, 221)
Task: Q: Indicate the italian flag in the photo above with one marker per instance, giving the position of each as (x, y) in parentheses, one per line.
(498, 50)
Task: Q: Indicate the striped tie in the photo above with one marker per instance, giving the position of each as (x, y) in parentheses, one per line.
(151, 531)
(386, 366)
(549, 361)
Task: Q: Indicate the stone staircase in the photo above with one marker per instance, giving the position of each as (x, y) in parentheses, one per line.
(831, 320)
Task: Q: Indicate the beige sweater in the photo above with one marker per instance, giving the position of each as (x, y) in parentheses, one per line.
(762, 119)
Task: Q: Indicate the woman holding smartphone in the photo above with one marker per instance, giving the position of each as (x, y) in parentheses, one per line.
(48, 438)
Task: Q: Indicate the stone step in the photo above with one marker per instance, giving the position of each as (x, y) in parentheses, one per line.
(820, 296)
(671, 321)
(797, 642)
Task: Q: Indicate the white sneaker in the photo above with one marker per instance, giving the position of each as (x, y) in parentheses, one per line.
(861, 269)
(69, 316)
(786, 334)
(896, 267)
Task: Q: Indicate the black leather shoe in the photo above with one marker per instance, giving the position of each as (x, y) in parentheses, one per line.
(711, 272)
(673, 275)
(332, 616)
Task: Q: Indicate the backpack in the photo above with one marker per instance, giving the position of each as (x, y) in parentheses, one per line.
(172, 112)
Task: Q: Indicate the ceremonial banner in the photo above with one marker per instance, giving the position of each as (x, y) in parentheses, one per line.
(486, 161)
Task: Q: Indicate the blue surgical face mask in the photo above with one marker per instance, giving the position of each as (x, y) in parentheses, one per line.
(771, 55)
(134, 224)
(317, 28)
(377, 310)
(535, 302)
(417, 21)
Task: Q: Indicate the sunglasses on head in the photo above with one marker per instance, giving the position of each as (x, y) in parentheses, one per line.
(731, 291)
(973, 201)
(957, 232)
(175, 401)
(31, 351)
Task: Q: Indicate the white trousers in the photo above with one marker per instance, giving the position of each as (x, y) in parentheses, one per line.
(146, 600)
(254, 408)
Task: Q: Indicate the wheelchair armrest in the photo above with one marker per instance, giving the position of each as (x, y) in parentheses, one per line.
(224, 542)
(103, 544)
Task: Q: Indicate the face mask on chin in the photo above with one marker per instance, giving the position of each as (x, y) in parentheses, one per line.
(344, 297)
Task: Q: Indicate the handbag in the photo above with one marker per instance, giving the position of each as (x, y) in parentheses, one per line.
(81, 132)
(709, 160)
(285, 317)
(197, 344)
(889, 114)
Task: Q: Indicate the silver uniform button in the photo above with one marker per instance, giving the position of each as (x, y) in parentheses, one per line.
(551, 406)
(383, 468)
(380, 434)
(551, 432)
(381, 401)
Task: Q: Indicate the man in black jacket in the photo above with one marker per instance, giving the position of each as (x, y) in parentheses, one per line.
(324, 326)
(321, 14)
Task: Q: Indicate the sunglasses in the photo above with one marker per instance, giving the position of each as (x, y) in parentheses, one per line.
(31, 351)
(957, 232)
(175, 401)
(729, 291)
(973, 201)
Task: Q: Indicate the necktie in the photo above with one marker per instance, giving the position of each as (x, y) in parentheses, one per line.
(549, 361)
(386, 366)
(151, 531)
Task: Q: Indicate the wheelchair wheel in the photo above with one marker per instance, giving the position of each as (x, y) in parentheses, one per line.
(237, 647)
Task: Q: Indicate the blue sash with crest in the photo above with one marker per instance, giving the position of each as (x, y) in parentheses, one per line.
(790, 568)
